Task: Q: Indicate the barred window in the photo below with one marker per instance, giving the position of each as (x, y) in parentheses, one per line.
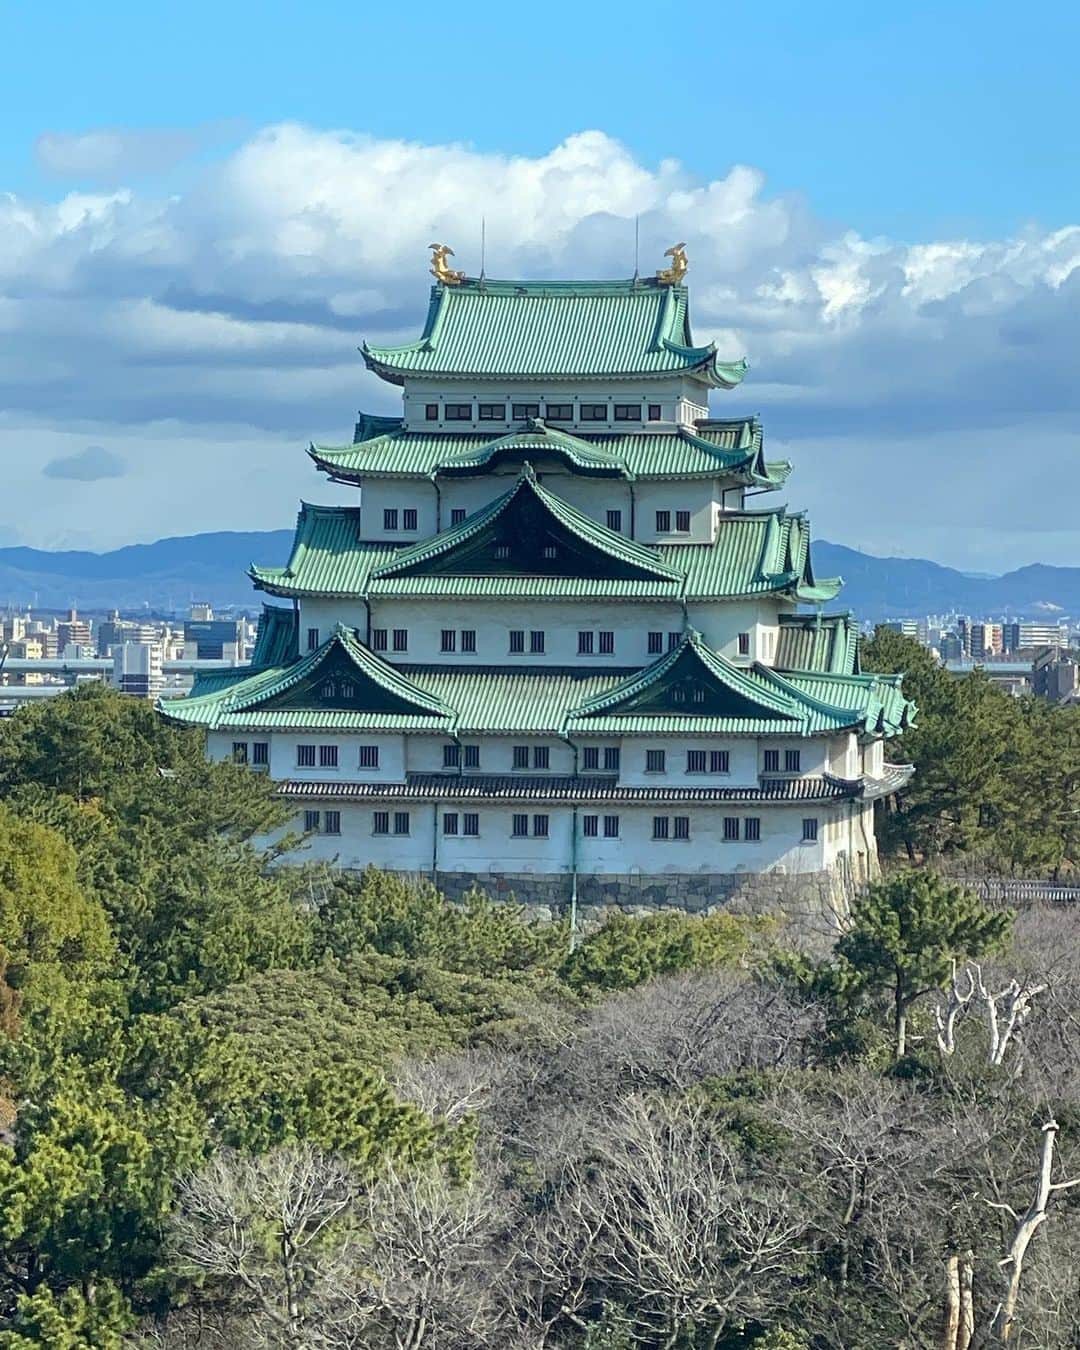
(521, 756)
(401, 639)
(536, 641)
(472, 756)
(401, 822)
(328, 757)
(614, 521)
(239, 752)
(540, 826)
(451, 756)
(332, 822)
(792, 761)
(409, 518)
(471, 823)
(305, 756)
(809, 829)
(590, 757)
(369, 757)
(731, 827)
(520, 826)
(695, 761)
(380, 822)
(312, 639)
(590, 826)
(517, 639)
(389, 518)
(541, 757)
(719, 761)
(752, 828)
(311, 822)
(673, 640)
(457, 515)
(682, 522)
(260, 752)
(656, 644)
(660, 827)
(449, 640)
(744, 644)
(378, 639)
(663, 522)
(682, 827)
(611, 758)
(655, 761)
(450, 822)
(772, 761)
(584, 643)
(611, 827)
(468, 639)
(607, 643)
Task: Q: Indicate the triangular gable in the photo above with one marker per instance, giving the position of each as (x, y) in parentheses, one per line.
(694, 681)
(341, 675)
(530, 532)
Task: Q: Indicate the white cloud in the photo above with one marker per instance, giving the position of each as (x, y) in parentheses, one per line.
(239, 303)
(86, 466)
(118, 154)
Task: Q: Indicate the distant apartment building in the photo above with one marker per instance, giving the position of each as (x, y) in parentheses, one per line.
(210, 639)
(918, 629)
(138, 669)
(73, 630)
(1030, 636)
(114, 631)
(985, 640)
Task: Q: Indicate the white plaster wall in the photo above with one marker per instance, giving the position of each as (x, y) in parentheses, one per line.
(721, 621)
(398, 493)
(680, 400)
(698, 496)
(425, 755)
(326, 614)
(492, 621)
(873, 758)
(283, 756)
(742, 753)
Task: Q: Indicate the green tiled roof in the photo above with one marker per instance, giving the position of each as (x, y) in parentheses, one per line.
(555, 329)
(328, 556)
(635, 562)
(339, 682)
(713, 450)
(277, 637)
(755, 553)
(579, 702)
(818, 642)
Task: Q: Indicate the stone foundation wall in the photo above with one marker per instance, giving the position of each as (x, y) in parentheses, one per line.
(813, 895)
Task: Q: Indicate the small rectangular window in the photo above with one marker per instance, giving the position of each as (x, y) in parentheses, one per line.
(450, 822)
(611, 827)
(559, 412)
(772, 761)
(260, 752)
(590, 827)
(380, 822)
(719, 761)
(607, 643)
(312, 639)
(594, 412)
(492, 412)
(792, 761)
(328, 757)
(449, 640)
(660, 827)
(468, 639)
(541, 757)
(408, 518)
(239, 752)
(656, 644)
(521, 756)
(536, 641)
(540, 827)
(590, 757)
(627, 412)
(744, 644)
(654, 761)
(614, 521)
(611, 759)
(520, 826)
(431, 412)
(695, 761)
(663, 522)
(451, 756)
(731, 827)
(457, 515)
(332, 822)
(378, 639)
(311, 822)
(369, 757)
(501, 551)
(472, 756)
(470, 823)
(673, 640)
(654, 412)
(809, 829)
(550, 551)
(682, 522)
(401, 822)
(517, 640)
(401, 639)
(389, 518)
(305, 756)
(584, 643)
(682, 827)
(458, 412)
(523, 410)
(752, 828)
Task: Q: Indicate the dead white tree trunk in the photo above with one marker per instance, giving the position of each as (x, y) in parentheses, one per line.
(959, 1313)
(1027, 1225)
(1006, 1011)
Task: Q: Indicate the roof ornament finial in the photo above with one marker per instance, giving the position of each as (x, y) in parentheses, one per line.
(528, 472)
(443, 274)
(673, 275)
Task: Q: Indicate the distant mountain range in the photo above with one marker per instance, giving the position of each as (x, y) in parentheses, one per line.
(169, 574)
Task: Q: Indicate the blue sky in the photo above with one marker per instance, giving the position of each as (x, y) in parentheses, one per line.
(209, 205)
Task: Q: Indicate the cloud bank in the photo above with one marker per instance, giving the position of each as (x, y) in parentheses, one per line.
(926, 391)
(88, 466)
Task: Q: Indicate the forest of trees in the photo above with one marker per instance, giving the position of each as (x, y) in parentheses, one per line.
(253, 1106)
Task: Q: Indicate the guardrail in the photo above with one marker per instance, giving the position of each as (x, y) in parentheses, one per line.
(1008, 889)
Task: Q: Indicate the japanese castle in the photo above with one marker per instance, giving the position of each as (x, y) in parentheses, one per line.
(562, 644)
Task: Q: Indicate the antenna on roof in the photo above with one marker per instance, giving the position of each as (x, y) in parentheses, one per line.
(637, 243)
(483, 244)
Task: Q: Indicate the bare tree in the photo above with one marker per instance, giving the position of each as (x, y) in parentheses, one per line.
(1006, 1010)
